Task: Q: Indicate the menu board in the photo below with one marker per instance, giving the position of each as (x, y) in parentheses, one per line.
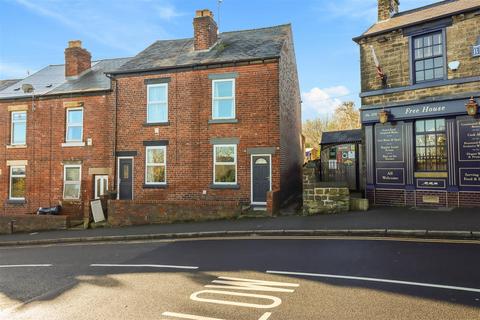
(470, 177)
(389, 143)
(469, 140)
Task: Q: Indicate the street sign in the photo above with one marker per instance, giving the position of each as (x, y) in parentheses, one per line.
(476, 51)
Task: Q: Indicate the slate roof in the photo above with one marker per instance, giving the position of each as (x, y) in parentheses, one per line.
(7, 83)
(431, 12)
(51, 80)
(232, 46)
(341, 137)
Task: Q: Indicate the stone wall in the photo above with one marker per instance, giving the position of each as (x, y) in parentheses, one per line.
(141, 212)
(319, 197)
(28, 223)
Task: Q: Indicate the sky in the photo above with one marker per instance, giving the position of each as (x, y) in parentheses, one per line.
(34, 34)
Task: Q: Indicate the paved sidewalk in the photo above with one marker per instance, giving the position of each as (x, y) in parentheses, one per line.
(383, 221)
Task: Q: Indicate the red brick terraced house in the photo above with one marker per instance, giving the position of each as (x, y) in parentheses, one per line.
(214, 119)
(56, 135)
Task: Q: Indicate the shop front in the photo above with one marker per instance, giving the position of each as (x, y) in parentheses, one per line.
(423, 155)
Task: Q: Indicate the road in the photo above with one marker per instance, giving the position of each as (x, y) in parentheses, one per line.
(242, 279)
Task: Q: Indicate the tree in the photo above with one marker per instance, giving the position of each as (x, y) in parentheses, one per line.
(346, 117)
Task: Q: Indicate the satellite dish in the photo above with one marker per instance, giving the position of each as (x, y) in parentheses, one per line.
(27, 88)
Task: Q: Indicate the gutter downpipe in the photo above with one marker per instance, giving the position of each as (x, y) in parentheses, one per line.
(112, 78)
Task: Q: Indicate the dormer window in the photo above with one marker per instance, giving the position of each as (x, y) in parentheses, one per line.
(429, 57)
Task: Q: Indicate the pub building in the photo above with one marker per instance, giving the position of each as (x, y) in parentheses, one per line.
(420, 94)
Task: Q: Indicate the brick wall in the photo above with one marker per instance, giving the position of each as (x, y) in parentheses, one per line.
(139, 212)
(29, 223)
(189, 151)
(290, 124)
(45, 154)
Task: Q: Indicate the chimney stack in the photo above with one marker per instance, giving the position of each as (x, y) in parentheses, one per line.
(205, 30)
(387, 8)
(77, 59)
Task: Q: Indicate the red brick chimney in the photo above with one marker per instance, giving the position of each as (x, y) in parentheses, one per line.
(77, 59)
(387, 8)
(205, 29)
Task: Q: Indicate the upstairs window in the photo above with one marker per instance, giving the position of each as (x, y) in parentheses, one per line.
(74, 125)
(225, 164)
(155, 166)
(157, 103)
(428, 57)
(431, 143)
(223, 99)
(17, 183)
(19, 128)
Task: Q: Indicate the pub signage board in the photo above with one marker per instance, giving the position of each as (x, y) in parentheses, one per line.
(468, 140)
(431, 183)
(391, 176)
(389, 143)
(415, 111)
(469, 177)
(476, 51)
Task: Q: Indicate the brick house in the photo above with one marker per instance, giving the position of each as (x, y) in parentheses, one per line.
(56, 138)
(420, 80)
(212, 118)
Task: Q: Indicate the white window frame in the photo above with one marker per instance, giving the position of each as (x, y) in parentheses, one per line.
(232, 80)
(150, 86)
(12, 124)
(16, 176)
(164, 164)
(65, 182)
(100, 178)
(68, 125)
(215, 163)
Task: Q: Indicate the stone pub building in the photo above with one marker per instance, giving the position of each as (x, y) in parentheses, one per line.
(420, 72)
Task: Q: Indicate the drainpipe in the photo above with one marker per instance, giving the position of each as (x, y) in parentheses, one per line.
(114, 80)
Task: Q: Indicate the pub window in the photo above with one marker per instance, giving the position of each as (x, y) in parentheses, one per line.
(428, 57)
(431, 145)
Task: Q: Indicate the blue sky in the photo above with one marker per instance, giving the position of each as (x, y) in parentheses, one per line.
(34, 33)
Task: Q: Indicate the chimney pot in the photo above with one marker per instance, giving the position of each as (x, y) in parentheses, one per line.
(205, 30)
(77, 59)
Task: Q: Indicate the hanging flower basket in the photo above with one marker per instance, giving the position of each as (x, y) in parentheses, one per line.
(472, 107)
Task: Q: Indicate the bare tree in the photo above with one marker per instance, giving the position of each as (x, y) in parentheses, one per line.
(312, 130)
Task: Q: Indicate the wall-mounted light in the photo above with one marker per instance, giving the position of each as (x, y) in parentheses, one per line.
(472, 107)
(383, 116)
(454, 65)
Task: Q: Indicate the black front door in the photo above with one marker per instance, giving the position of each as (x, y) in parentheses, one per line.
(260, 179)
(126, 179)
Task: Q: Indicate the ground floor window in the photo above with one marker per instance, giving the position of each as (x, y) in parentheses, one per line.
(431, 145)
(72, 181)
(17, 183)
(155, 166)
(225, 164)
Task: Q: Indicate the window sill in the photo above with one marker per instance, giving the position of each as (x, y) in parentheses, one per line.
(220, 121)
(73, 144)
(225, 186)
(71, 201)
(10, 201)
(17, 146)
(155, 186)
(156, 124)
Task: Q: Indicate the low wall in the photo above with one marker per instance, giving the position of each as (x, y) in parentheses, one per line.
(319, 198)
(30, 223)
(137, 212)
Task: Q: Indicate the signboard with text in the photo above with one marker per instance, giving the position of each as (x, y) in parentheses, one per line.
(392, 176)
(389, 144)
(468, 140)
(469, 177)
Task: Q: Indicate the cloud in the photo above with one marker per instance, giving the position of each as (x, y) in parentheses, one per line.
(127, 26)
(324, 101)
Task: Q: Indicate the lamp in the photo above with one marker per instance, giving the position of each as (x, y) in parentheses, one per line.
(383, 116)
(472, 107)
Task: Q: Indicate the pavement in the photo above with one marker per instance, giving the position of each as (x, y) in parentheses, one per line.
(233, 279)
(379, 222)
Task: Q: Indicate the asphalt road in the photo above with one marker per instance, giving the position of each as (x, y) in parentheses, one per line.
(242, 280)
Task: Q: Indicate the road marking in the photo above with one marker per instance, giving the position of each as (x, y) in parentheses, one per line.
(248, 284)
(187, 316)
(24, 265)
(142, 266)
(332, 276)
(275, 301)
